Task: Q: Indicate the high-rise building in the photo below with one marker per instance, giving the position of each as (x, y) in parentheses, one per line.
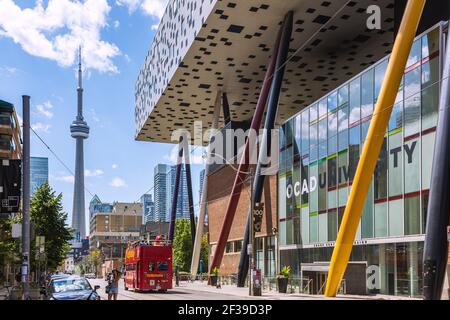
(79, 131)
(164, 182)
(183, 199)
(38, 172)
(160, 192)
(148, 208)
(10, 147)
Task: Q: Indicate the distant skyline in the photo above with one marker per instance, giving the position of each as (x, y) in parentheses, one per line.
(38, 47)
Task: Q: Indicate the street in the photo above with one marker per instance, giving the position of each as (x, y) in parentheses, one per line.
(177, 293)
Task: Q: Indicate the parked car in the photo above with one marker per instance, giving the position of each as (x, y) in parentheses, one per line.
(70, 288)
(90, 276)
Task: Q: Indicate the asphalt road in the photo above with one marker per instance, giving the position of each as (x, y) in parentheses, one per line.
(177, 293)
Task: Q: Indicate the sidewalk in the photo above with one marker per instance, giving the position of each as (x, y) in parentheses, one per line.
(274, 295)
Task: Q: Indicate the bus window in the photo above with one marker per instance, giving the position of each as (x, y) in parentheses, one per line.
(151, 266)
(163, 266)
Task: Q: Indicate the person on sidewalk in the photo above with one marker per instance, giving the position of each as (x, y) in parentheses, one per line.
(113, 284)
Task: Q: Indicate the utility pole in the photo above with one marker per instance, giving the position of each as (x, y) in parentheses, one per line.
(26, 198)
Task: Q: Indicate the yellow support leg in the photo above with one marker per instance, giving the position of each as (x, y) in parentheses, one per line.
(372, 145)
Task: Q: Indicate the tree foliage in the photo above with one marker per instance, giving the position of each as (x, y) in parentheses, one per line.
(182, 245)
(49, 220)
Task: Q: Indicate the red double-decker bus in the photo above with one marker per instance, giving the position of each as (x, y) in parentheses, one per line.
(148, 266)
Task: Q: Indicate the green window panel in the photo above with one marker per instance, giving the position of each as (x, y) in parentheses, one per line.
(381, 225)
(367, 215)
(395, 164)
(412, 215)
(427, 161)
(412, 165)
(396, 217)
(313, 227)
(323, 227)
(305, 225)
(282, 233)
(332, 225)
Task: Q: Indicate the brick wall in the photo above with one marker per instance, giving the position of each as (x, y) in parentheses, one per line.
(219, 188)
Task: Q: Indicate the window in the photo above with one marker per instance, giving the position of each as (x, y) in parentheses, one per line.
(367, 87)
(332, 124)
(332, 182)
(396, 119)
(396, 217)
(353, 151)
(381, 219)
(343, 97)
(343, 119)
(415, 54)
(313, 227)
(289, 231)
(412, 215)
(427, 161)
(430, 93)
(323, 226)
(323, 190)
(412, 82)
(380, 175)
(412, 115)
(163, 266)
(313, 114)
(323, 107)
(355, 101)
(412, 165)
(395, 164)
(430, 43)
(367, 215)
(230, 247)
(380, 71)
(332, 225)
(313, 135)
(305, 133)
(305, 225)
(332, 101)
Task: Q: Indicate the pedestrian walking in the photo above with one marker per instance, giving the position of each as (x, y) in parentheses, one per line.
(113, 284)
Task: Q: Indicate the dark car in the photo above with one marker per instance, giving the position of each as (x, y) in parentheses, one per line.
(70, 288)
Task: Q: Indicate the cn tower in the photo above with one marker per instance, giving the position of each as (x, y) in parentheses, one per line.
(79, 130)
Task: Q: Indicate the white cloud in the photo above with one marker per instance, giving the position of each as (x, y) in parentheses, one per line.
(41, 127)
(8, 71)
(44, 109)
(94, 115)
(116, 24)
(55, 31)
(93, 173)
(64, 178)
(115, 166)
(117, 183)
(152, 8)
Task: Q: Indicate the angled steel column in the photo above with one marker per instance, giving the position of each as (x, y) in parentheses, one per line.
(203, 201)
(435, 253)
(187, 164)
(258, 183)
(226, 109)
(244, 164)
(173, 213)
(372, 146)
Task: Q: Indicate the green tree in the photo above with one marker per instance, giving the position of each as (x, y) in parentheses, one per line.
(204, 252)
(182, 245)
(49, 220)
(94, 260)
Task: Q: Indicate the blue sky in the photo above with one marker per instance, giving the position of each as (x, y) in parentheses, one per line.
(38, 41)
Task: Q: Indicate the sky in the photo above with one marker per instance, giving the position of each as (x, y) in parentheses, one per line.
(38, 57)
